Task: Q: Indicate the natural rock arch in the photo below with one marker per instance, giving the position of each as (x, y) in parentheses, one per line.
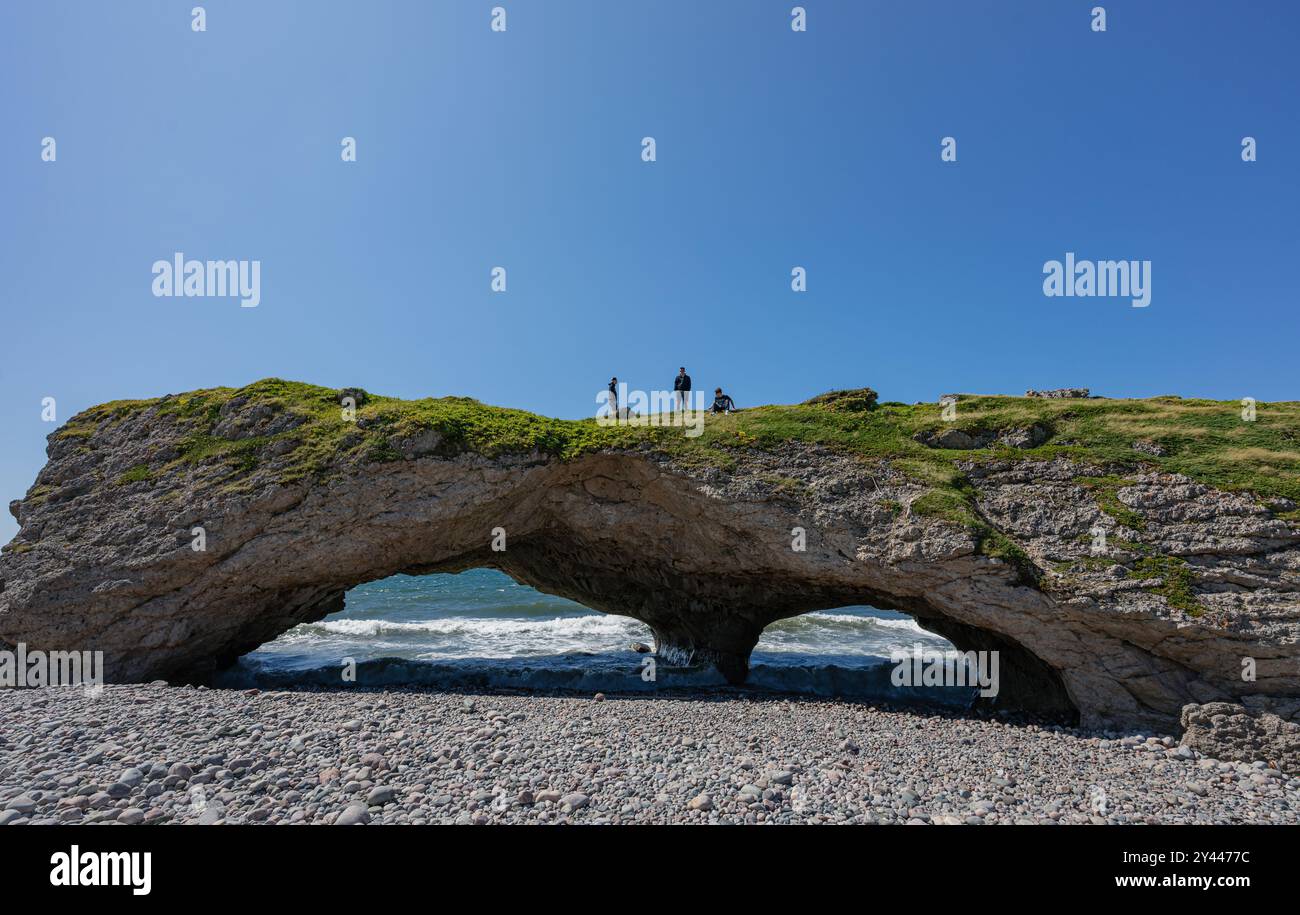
(702, 554)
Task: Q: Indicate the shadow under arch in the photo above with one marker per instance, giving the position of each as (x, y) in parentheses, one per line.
(481, 630)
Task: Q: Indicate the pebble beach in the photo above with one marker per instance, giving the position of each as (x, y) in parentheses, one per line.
(159, 754)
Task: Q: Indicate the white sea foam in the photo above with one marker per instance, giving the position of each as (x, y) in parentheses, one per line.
(842, 634)
(470, 629)
(467, 637)
(908, 624)
(592, 625)
(482, 614)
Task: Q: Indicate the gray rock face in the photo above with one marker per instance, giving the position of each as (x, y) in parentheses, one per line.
(1155, 449)
(956, 439)
(703, 555)
(1027, 437)
(970, 439)
(1223, 730)
(1057, 393)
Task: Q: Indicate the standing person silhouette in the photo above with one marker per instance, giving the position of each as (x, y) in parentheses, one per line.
(613, 397)
(682, 389)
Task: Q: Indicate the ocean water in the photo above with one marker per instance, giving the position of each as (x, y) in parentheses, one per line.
(482, 629)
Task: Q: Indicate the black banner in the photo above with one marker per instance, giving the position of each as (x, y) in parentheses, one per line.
(321, 863)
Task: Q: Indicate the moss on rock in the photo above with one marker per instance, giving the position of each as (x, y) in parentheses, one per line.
(1205, 440)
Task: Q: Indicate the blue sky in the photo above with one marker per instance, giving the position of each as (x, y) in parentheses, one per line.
(523, 149)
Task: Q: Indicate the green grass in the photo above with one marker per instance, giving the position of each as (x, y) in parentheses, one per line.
(856, 400)
(956, 505)
(1206, 440)
(787, 485)
(38, 494)
(1106, 491)
(137, 474)
(1176, 581)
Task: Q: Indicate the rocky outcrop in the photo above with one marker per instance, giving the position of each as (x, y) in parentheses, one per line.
(1023, 437)
(1223, 730)
(854, 400)
(1058, 393)
(1191, 586)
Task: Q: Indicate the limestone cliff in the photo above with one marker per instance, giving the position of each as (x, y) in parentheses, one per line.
(1193, 578)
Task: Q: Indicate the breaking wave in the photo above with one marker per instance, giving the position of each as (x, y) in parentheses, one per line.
(480, 629)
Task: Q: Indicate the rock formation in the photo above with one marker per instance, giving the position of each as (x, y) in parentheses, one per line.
(294, 501)
(1059, 393)
(1262, 729)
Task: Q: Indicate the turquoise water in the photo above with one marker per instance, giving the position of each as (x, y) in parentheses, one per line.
(481, 628)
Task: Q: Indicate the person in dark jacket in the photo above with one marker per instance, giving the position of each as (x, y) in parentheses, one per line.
(682, 388)
(722, 403)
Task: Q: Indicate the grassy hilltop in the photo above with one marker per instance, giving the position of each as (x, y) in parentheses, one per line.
(1206, 440)
(281, 431)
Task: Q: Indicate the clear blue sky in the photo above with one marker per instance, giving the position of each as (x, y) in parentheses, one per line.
(522, 149)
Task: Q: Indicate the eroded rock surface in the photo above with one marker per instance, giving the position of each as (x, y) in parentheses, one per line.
(1189, 584)
(1059, 393)
(1264, 732)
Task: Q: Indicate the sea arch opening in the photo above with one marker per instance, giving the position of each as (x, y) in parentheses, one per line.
(481, 628)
